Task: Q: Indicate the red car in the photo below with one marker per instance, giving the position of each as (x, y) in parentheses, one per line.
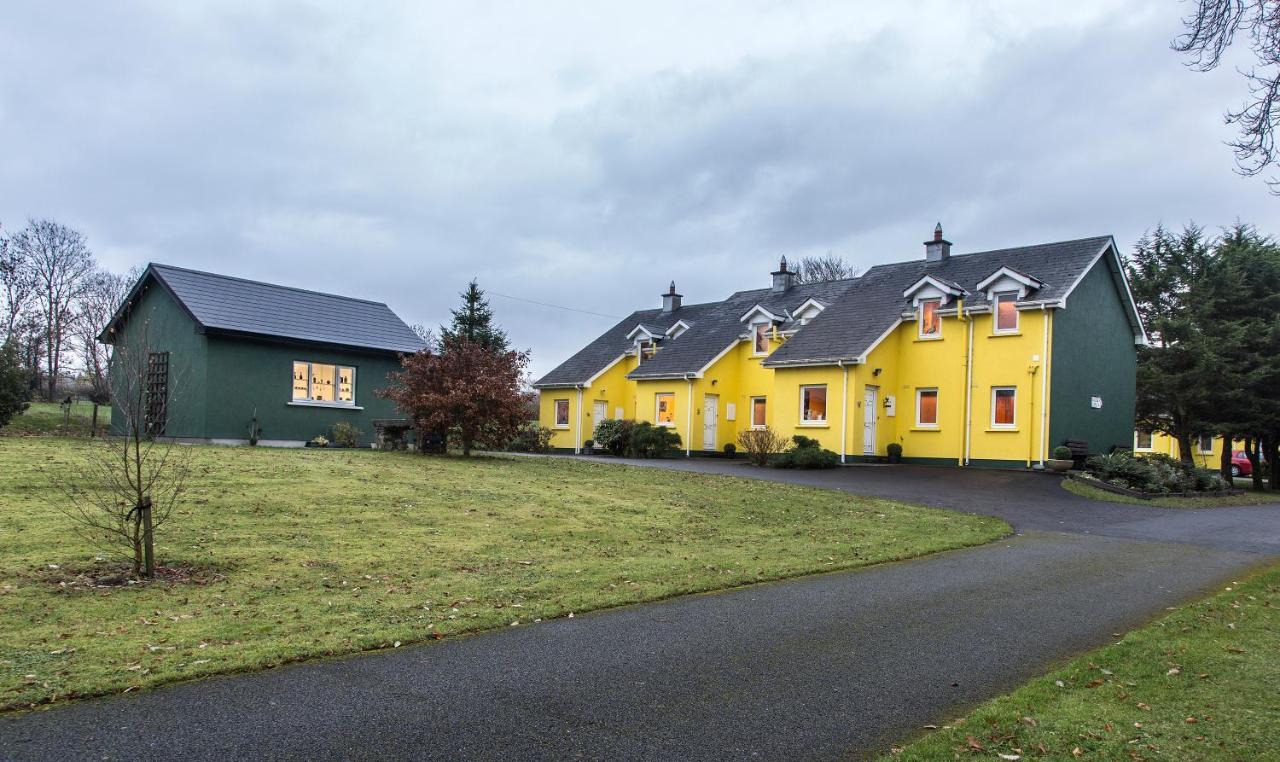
(1240, 465)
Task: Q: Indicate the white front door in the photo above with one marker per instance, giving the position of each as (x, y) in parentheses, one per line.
(710, 418)
(599, 412)
(870, 411)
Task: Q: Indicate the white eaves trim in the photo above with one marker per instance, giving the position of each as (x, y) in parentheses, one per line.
(677, 329)
(929, 282)
(809, 304)
(1140, 336)
(645, 331)
(758, 310)
(602, 371)
(862, 358)
(717, 358)
(1005, 272)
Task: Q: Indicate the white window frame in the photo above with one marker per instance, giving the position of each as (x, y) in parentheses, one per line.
(765, 400)
(555, 412)
(814, 422)
(937, 399)
(920, 320)
(658, 396)
(1014, 423)
(337, 376)
(755, 337)
(1200, 444)
(1137, 439)
(995, 313)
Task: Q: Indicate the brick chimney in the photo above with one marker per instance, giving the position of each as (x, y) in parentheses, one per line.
(783, 280)
(938, 249)
(671, 300)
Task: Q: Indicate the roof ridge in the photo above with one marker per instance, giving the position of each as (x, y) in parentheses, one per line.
(154, 265)
(997, 251)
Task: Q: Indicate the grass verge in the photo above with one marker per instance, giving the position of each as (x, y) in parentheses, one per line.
(48, 419)
(284, 555)
(1082, 489)
(1199, 684)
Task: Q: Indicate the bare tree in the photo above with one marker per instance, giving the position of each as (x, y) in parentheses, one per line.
(17, 287)
(128, 484)
(104, 292)
(1210, 31)
(827, 267)
(760, 444)
(61, 264)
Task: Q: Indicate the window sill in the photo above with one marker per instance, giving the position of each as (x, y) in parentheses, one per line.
(926, 428)
(333, 405)
(814, 425)
(1002, 429)
(558, 427)
(666, 425)
(1003, 334)
(919, 339)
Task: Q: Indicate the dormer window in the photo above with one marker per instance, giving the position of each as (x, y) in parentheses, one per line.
(645, 349)
(1006, 312)
(930, 320)
(760, 338)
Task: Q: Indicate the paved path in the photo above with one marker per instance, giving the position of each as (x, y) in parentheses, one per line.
(815, 668)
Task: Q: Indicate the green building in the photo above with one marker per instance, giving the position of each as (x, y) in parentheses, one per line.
(222, 351)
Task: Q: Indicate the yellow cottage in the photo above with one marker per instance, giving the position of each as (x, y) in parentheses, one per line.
(991, 358)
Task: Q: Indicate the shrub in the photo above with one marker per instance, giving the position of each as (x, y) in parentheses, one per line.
(1208, 480)
(1153, 473)
(730, 449)
(345, 434)
(649, 441)
(1062, 452)
(590, 443)
(319, 440)
(15, 392)
(531, 438)
(760, 444)
(894, 450)
(614, 435)
(807, 453)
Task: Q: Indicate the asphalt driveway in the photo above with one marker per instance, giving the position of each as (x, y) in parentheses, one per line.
(835, 665)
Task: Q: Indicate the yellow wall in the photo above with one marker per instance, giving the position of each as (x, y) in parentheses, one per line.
(905, 363)
(1163, 443)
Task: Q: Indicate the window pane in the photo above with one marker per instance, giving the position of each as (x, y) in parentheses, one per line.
(814, 403)
(1144, 440)
(299, 380)
(762, 339)
(930, 323)
(666, 408)
(1004, 399)
(562, 412)
(757, 411)
(322, 382)
(346, 384)
(928, 404)
(1007, 312)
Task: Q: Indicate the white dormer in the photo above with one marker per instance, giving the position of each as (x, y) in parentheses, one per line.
(640, 332)
(1006, 280)
(930, 288)
(808, 311)
(677, 329)
(758, 314)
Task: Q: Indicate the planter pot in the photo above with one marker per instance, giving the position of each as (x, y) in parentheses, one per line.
(895, 458)
(1060, 466)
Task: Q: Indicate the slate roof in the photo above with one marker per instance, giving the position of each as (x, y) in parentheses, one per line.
(220, 303)
(858, 312)
(874, 304)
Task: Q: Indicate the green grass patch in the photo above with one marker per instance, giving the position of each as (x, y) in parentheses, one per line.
(1084, 489)
(49, 419)
(296, 554)
(1199, 684)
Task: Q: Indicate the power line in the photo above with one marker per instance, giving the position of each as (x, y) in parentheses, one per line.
(554, 306)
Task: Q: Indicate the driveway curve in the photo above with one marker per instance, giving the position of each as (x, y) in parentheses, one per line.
(835, 665)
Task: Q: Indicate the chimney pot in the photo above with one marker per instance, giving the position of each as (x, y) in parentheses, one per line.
(937, 249)
(783, 279)
(671, 300)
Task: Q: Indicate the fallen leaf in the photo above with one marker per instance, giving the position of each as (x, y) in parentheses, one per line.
(1013, 757)
(1174, 671)
(1094, 683)
(974, 744)
(1192, 720)
(1076, 752)
(1144, 707)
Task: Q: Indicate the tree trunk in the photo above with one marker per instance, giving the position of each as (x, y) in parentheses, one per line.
(1184, 448)
(93, 426)
(1273, 454)
(148, 539)
(1224, 463)
(1251, 449)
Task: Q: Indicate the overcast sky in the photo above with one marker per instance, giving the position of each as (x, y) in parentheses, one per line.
(585, 154)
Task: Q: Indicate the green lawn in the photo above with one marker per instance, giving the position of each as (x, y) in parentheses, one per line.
(305, 553)
(1199, 684)
(47, 418)
(1083, 489)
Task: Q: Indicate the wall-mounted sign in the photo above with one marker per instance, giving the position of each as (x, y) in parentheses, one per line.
(1095, 403)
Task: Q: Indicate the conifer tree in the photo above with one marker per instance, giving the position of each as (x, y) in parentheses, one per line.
(473, 322)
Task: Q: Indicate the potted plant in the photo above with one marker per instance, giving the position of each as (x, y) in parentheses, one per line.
(589, 447)
(730, 450)
(895, 452)
(1061, 462)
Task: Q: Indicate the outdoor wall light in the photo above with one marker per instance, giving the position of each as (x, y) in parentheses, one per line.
(875, 372)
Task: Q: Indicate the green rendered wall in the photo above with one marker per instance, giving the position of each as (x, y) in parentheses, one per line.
(1093, 356)
(157, 323)
(245, 375)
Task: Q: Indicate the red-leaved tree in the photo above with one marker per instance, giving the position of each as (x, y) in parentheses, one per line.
(470, 392)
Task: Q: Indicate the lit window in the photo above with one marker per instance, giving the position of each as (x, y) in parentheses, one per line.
(1004, 401)
(666, 409)
(1006, 313)
(930, 322)
(320, 382)
(1143, 442)
(813, 404)
(758, 412)
(1206, 444)
(926, 407)
(761, 338)
(562, 414)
